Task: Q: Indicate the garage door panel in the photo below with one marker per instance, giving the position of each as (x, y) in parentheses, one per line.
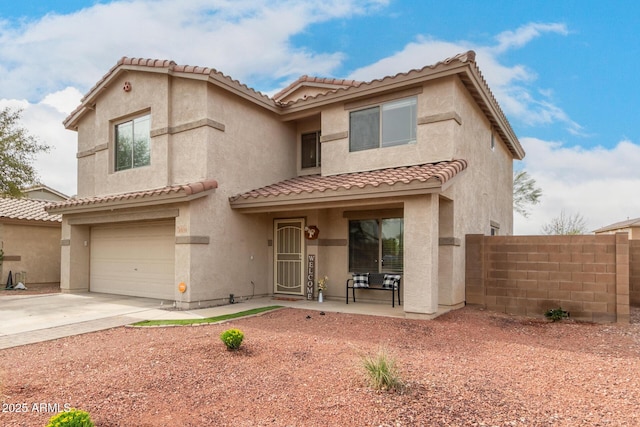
(133, 259)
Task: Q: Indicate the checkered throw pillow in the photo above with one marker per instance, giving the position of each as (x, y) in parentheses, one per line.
(360, 280)
(391, 281)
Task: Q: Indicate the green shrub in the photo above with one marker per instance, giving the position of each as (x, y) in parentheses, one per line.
(232, 338)
(382, 371)
(556, 314)
(72, 418)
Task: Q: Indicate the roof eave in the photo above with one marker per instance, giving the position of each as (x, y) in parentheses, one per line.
(214, 77)
(54, 222)
(136, 202)
(338, 198)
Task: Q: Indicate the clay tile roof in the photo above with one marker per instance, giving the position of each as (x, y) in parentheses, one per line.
(466, 57)
(185, 189)
(26, 209)
(170, 67)
(441, 172)
(339, 83)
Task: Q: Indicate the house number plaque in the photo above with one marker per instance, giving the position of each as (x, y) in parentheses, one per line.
(311, 275)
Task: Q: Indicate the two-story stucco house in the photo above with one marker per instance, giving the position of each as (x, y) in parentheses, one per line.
(190, 181)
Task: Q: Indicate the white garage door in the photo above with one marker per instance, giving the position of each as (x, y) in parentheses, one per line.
(133, 259)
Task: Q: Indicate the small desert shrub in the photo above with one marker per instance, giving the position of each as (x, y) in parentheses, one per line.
(232, 338)
(72, 418)
(382, 371)
(556, 314)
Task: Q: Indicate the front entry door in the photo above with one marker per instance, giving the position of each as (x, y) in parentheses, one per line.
(288, 256)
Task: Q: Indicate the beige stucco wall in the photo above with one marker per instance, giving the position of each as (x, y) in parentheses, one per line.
(38, 250)
(202, 132)
(233, 151)
(478, 197)
(433, 98)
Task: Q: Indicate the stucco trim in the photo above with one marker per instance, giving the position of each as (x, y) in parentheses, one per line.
(327, 242)
(449, 241)
(92, 151)
(188, 126)
(383, 98)
(334, 136)
(341, 198)
(373, 213)
(192, 240)
(126, 216)
(450, 115)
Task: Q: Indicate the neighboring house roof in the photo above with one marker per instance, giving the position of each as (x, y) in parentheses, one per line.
(462, 65)
(48, 193)
(619, 225)
(24, 209)
(317, 188)
(169, 194)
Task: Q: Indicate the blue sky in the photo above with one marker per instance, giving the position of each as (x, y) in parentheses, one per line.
(563, 72)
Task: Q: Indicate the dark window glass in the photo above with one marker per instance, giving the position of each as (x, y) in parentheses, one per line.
(310, 150)
(364, 129)
(376, 245)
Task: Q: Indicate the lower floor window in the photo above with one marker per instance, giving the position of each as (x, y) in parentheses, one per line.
(376, 245)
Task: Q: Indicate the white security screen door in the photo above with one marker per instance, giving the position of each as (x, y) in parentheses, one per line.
(288, 256)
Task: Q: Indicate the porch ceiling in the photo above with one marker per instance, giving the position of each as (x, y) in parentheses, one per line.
(303, 192)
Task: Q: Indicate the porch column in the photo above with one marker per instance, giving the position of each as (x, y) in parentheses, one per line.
(74, 257)
(420, 280)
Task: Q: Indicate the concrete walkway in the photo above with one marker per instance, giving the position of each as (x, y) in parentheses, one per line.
(27, 319)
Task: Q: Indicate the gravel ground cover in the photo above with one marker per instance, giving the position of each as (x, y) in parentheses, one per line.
(470, 367)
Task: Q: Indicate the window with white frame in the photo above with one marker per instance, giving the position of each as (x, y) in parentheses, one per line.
(310, 150)
(376, 245)
(386, 125)
(132, 143)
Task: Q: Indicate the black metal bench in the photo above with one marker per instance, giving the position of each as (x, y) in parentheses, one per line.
(376, 283)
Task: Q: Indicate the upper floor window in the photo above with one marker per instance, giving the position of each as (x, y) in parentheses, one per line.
(133, 143)
(386, 125)
(310, 150)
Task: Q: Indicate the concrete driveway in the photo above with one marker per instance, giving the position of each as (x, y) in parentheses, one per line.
(33, 318)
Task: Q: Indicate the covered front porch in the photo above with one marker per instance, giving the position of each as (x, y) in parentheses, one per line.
(318, 215)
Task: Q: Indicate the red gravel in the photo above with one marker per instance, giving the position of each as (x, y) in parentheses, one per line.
(467, 368)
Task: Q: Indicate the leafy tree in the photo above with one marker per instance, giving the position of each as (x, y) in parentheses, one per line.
(525, 192)
(566, 224)
(17, 153)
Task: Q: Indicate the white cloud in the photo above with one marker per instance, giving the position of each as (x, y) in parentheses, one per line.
(601, 183)
(65, 101)
(56, 169)
(515, 39)
(512, 85)
(245, 39)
